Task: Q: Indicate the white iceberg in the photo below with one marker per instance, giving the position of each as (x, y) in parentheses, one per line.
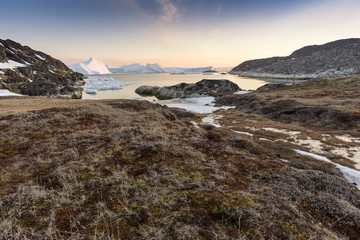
(137, 68)
(89, 67)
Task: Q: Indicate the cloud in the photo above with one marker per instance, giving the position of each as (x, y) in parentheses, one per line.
(169, 10)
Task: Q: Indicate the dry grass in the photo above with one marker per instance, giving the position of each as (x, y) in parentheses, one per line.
(135, 170)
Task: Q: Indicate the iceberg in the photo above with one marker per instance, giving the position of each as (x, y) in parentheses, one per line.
(137, 68)
(90, 67)
(95, 84)
(208, 69)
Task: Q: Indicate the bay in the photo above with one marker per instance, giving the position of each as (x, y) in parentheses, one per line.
(134, 80)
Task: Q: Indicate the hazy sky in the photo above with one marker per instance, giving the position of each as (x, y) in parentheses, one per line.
(176, 33)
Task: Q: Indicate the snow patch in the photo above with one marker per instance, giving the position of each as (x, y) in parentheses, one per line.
(244, 133)
(347, 138)
(241, 92)
(210, 119)
(40, 57)
(350, 174)
(281, 131)
(265, 139)
(5, 92)
(11, 65)
(199, 105)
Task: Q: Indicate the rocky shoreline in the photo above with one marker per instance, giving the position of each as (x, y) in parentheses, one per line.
(331, 60)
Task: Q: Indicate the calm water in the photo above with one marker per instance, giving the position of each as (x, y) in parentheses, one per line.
(165, 79)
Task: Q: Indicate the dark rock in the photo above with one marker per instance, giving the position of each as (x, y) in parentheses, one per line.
(42, 76)
(206, 87)
(33, 116)
(147, 90)
(335, 59)
(270, 87)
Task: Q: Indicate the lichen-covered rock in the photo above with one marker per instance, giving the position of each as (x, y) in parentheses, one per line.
(206, 87)
(147, 90)
(30, 72)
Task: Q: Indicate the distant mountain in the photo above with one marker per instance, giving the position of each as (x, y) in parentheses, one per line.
(137, 68)
(30, 72)
(335, 59)
(90, 67)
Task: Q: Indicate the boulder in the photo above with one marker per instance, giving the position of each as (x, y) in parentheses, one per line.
(147, 90)
(206, 87)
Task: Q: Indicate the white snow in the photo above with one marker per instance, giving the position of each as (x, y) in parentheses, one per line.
(284, 131)
(241, 92)
(5, 92)
(2, 44)
(40, 57)
(1, 72)
(30, 80)
(265, 139)
(199, 105)
(90, 67)
(348, 138)
(350, 174)
(210, 119)
(94, 84)
(244, 133)
(11, 65)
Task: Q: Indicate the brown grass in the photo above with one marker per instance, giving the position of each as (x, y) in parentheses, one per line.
(134, 170)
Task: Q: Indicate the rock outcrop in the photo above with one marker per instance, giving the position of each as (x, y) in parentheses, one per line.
(30, 72)
(335, 59)
(205, 87)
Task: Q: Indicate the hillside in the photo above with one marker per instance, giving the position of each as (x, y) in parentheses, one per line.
(30, 72)
(335, 59)
(122, 169)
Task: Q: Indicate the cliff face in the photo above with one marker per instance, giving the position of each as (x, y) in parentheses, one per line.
(30, 72)
(335, 59)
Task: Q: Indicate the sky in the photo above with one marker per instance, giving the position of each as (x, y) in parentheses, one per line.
(176, 33)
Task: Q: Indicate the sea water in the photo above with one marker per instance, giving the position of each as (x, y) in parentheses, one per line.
(134, 80)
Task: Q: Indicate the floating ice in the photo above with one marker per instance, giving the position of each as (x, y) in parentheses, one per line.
(95, 84)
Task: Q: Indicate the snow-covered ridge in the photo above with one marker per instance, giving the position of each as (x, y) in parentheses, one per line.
(89, 67)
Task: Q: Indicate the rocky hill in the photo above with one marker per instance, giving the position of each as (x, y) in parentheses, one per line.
(30, 72)
(335, 59)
